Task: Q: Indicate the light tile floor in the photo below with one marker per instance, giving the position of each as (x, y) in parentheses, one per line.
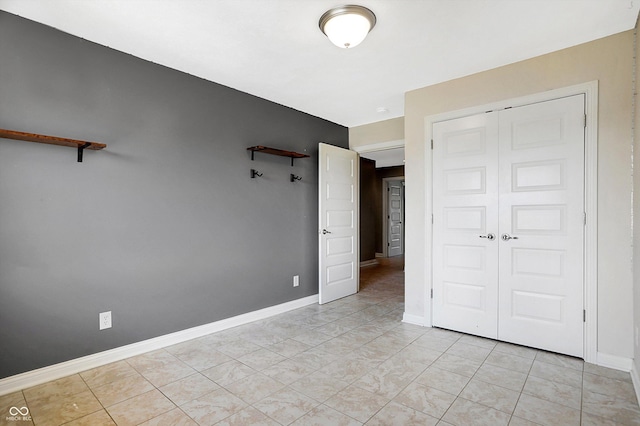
(349, 362)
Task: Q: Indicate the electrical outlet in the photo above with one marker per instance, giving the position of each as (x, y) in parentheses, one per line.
(296, 280)
(105, 320)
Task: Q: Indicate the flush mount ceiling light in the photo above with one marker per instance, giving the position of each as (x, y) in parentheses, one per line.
(346, 26)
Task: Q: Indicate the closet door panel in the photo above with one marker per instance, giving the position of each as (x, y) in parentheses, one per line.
(541, 218)
(465, 261)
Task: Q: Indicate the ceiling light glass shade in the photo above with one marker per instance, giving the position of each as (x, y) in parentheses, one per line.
(347, 26)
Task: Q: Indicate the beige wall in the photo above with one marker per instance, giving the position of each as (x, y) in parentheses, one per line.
(608, 60)
(381, 131)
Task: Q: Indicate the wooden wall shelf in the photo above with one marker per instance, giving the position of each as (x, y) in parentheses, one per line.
(276, 151)
(52, 140)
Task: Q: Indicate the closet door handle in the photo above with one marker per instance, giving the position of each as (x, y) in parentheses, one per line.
(507, 237)
(489, 237)
(324, 231)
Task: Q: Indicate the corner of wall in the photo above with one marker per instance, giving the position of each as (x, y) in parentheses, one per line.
(415, 319)
(378, 132)
(635, 138)
(635, 379)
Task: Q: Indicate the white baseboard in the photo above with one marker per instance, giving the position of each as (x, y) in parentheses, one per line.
(414, 319)
(63, 369)
(371, 262)
(635, 379)
(380, 255)
(614, 361)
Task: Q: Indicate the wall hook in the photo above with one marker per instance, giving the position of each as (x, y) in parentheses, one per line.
(255, 173)
(295, 178)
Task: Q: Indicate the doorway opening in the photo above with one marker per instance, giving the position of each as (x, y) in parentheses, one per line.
(382, 214)
(381, 211)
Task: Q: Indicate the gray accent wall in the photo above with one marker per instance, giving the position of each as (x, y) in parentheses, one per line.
(367, 209)
(165, 227)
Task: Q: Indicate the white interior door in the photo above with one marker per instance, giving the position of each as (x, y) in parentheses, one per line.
(542, 210)
(395, 217)
(338, 222)
(516, 175)
(465, 224)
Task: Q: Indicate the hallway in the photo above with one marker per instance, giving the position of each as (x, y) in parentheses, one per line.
(388, 274)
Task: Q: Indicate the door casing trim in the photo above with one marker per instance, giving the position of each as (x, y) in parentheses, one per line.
(590, 303)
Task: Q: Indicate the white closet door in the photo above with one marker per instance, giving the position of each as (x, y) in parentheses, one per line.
(465, 200)
(541, 209)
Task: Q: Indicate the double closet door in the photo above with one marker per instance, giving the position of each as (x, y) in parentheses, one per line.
(508, 225)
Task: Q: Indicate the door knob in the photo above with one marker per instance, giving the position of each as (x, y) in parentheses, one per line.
(507, 237)
(324, 231)
(489, 237)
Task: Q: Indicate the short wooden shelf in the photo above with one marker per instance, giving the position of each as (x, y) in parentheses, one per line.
(52, 140)
(276, 151)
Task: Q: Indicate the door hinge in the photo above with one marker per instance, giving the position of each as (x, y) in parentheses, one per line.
(432, 293)
(432, 218)
(388, 244)
(584, 123)
(584, 217)
(584, 315)
(431, 143)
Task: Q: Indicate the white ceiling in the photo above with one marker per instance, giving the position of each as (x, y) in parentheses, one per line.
(275, 50)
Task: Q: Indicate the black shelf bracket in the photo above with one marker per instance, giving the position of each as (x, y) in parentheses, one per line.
(255, 173)
(81, 150)
(52, 140)
(294, 177)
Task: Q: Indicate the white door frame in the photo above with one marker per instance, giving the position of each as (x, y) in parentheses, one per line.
(385, 213)
(375, 147)
(380, 146)
(590, 90)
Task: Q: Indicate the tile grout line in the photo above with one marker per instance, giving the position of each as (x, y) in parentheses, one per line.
(522, 391)
(97, 399)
